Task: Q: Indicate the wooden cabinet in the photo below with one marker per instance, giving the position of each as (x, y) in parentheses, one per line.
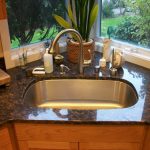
(47, 145)
(2, 9)
(5, 141)
(79, 137)
(147, 139)
(44, 137)
(1, 49)
(109, 146)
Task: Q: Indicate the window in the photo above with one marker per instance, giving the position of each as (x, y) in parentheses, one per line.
(31, 21)
(127, 21)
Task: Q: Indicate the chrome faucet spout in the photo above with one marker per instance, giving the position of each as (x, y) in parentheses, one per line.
(81, 54)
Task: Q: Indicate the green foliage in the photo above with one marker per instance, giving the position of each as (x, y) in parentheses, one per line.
(27, 16)
(62, 21)
(134, 29)
(114, 22)
(128, 31)
(141, 10)
(85, 13)
(118, 3)
(107, 9)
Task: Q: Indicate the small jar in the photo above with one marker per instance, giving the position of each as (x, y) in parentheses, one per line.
(59, 59)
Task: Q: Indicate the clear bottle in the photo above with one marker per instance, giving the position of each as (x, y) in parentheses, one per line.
(48, 62)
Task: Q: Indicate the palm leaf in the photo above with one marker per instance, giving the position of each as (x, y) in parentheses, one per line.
(82, 19)
(92, 18)
(77, 8)
(62, 22)
(71, 17)
(93, 15)
(90, 7)
(71, 4)
(77, 12)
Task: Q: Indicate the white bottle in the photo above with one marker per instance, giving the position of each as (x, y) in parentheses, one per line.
(48, 62)
(102, 62)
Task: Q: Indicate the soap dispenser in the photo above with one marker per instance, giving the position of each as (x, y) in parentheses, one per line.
(48, 62)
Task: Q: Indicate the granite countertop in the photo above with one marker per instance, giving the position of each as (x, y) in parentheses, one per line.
(13, 108)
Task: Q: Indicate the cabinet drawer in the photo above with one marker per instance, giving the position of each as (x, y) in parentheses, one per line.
(45, 145)
(80, 133)
(109, 146)
(112, 133)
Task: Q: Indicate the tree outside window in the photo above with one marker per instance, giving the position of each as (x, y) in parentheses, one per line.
(31, 21)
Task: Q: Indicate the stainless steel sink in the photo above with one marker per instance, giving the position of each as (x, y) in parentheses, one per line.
(81, 94)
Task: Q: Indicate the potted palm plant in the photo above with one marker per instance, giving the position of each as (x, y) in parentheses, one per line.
(82, 15)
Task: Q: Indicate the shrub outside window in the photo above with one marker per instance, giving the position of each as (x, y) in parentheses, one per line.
(127, 21)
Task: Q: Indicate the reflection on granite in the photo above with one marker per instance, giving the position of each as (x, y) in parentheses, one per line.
(12, 106)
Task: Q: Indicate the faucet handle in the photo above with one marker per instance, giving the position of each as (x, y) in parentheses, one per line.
(62, 69)
(113, 70)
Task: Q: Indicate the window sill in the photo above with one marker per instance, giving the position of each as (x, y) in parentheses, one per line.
(133, 54)
(36, 51)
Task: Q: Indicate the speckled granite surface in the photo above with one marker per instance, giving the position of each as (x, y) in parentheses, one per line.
(12, 106)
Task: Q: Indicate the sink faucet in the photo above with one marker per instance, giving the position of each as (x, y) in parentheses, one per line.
(113, 70)
(81, 53)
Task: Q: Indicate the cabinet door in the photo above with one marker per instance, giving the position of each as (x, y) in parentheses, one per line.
(5, 143)
(2, 9)
(147, 139)
(109, 146)
(45, 145)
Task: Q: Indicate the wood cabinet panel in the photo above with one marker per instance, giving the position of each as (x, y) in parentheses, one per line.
(46, 145)
(44, 132)
(109, 146)
(87, 137)
(81, 133)
(1, 49)
(146, 145)
(5, 141)
(2, 10)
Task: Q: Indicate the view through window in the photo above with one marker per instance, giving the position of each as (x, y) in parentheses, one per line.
(32, 21)
(127, 20)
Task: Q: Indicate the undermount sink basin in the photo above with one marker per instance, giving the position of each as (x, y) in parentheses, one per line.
(81, 94)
